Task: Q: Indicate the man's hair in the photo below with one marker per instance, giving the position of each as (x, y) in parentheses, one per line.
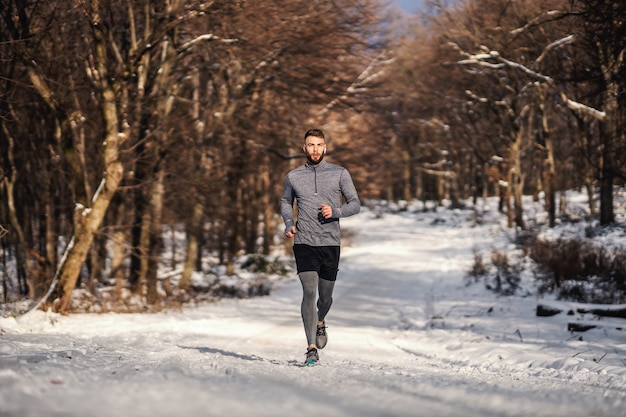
(314, 132)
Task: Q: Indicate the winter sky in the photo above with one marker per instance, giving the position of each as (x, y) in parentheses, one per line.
(408, 6)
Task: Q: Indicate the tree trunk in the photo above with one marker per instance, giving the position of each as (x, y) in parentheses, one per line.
(51, 242)
(485, 184)
(510, 215)
(269, 211)
(606, 187)
(87, 222)
(518, 190)
(609, 132)
(234, 231)
(516, 174)
(441, 190)
(195, 225)
(609, 43)
(136, 271)
(191, 254)
(9, 182)
(166, 90)
(251, 214)
(96, 261)
(118, 240)
(407, 195)
(590, 194)
(549, 170)
(419, 185)
(154, 238)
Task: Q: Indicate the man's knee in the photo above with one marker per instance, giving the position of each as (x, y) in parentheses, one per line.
(309, 281)
(326, 289)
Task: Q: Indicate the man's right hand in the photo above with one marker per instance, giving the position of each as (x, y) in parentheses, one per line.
(291, 233)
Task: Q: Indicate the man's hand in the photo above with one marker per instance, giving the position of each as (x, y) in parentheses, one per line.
(291, 233)
(327, 211)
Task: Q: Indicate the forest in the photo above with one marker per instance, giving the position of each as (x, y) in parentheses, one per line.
(124, 122)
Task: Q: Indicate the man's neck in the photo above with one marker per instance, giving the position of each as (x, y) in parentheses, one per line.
(313, 165)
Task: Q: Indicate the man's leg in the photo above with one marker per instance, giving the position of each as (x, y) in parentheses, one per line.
(323, 306)
(309, 280)
(326, 298)
(329, 259)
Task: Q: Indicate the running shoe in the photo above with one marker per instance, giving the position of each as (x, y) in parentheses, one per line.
(312, 357)
(321, 338)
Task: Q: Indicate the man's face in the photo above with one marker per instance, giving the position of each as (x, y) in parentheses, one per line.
(314, 149)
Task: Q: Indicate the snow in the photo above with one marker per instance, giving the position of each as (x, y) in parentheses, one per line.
(409, 335)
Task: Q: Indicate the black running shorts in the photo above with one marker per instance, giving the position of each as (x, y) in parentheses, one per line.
(322, 259)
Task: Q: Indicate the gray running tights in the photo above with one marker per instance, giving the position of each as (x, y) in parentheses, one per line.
(311, 284)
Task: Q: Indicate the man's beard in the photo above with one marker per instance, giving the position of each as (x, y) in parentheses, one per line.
(312, 161)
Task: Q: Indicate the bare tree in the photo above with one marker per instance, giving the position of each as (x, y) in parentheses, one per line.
(522, 65)
(112, 75)
(603, 33)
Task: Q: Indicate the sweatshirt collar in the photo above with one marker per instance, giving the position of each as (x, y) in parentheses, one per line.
(310, 165)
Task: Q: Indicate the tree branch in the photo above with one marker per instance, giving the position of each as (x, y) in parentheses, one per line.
(363, 80)
(541, 19)
(482, 59)
(205, 37)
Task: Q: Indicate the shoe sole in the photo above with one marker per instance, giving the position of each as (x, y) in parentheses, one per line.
(319, 343)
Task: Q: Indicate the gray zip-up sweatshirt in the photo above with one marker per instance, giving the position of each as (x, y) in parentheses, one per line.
(310, 186)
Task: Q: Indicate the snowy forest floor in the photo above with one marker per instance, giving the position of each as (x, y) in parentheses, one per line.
(408, 336)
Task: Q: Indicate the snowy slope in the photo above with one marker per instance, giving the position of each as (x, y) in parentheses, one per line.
(407, 337)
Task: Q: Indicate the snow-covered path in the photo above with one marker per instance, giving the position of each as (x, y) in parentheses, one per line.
(407, 337)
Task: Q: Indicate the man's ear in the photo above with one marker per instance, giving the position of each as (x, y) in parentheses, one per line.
(324, 151)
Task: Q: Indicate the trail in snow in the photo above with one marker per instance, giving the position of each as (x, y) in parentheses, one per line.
(407, 337)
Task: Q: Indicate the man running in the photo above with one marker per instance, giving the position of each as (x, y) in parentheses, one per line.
(317, 187)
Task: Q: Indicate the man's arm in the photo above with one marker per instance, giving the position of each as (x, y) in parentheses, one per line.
(352, 205)
(286, 207)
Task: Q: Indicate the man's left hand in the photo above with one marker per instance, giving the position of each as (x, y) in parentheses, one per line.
(327, 211)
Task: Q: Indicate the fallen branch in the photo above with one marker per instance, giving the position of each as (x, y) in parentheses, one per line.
(547, 311)
(579, 327)
(608, 311)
